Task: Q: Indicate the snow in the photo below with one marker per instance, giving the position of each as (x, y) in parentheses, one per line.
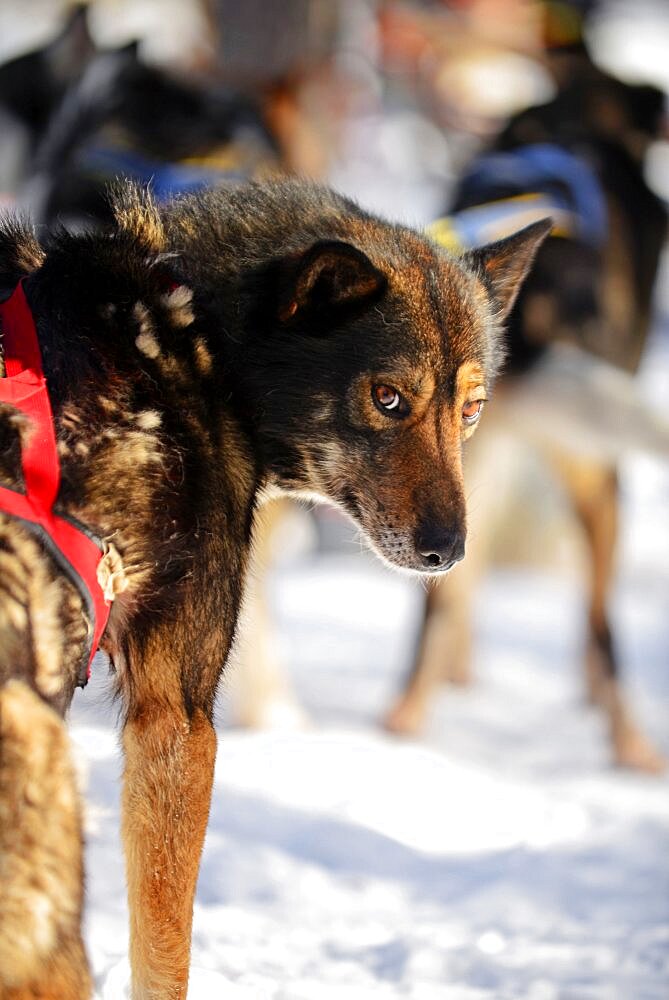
(499, 858)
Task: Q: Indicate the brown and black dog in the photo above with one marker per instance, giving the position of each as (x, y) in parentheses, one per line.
(197, 356)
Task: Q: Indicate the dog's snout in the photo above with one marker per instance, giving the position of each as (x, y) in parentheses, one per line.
(440, 548)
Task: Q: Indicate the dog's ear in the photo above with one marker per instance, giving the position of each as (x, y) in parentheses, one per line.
(504, 264)
(328, 280)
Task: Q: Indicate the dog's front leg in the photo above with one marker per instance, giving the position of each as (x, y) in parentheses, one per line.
(169, 768)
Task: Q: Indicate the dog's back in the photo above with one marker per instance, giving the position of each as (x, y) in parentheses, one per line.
(596, 291)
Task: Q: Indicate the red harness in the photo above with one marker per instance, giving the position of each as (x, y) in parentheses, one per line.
(76, 552)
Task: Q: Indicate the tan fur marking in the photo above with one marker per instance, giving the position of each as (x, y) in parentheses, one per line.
(148, 420)
(47, 633)
(70, 418)
(178, 303)
(331, 464)
(32, 599)
(203, 359)
(132, 448)
(148, 345)
(327, 409)
(143, 318)
(109, 405)
(141, 448)
(470, 377)
(172, 368)
(29, 254)
(13, 613)
(137, 214)
(470, 386)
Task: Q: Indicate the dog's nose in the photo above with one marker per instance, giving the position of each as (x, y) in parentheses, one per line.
(440, 549)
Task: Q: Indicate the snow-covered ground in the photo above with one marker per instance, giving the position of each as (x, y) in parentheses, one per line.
(500, 858)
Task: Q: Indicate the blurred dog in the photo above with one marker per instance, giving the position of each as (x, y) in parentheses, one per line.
(195, 357)
(580, 157)
(90, 115)
(32, 85)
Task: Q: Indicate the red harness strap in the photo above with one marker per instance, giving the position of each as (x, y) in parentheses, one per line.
(25, 388)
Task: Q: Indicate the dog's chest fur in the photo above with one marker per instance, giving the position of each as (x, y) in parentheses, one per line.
(155, 462)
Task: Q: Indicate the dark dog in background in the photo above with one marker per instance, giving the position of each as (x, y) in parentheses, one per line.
(591, 287)
(33, 85)
(274, 336)
(83, 116)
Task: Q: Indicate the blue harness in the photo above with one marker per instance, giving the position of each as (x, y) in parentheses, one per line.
(548, 181)
(166, 179)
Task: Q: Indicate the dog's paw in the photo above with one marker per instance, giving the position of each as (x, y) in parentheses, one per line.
(406, 717)
(632, 750)
(203, 984)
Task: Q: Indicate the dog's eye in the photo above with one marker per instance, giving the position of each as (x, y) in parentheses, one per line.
(472, 411)
(388, 400)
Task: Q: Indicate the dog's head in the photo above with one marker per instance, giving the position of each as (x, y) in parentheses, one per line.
(375, 366)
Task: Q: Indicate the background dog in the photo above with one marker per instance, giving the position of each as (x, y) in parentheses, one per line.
(582, 153)
(77, 116)
(271, 337)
